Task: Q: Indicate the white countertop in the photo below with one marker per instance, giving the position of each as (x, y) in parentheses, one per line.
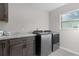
(16, 36)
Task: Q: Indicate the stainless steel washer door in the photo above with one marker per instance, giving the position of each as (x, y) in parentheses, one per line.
(46, 44)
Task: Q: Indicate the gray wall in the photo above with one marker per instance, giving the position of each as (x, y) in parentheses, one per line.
(25, 19)
(69, 38)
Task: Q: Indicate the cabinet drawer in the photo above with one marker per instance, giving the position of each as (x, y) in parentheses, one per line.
(27, 40)
(17, 40)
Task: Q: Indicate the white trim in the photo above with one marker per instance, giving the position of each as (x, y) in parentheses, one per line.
(69, 50)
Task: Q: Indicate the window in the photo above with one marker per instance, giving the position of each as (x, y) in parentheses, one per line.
(70, 20)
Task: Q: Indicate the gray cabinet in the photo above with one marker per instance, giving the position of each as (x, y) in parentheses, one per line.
(3, 48)
(24, 46)
(4, 12)
(29, 47)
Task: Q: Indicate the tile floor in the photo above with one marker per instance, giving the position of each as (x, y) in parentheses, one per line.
(61, 52)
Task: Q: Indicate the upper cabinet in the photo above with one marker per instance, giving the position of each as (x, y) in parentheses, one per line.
(4, 12)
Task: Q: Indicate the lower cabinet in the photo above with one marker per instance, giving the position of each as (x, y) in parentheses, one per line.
(16, 50)
(18, 47)
(1, 49)
(4, 48)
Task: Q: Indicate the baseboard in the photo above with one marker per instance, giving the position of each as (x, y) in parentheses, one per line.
(71, 51)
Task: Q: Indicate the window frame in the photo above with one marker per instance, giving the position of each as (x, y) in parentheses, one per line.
(61, 27)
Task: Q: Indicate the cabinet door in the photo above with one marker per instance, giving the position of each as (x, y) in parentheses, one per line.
(25, 50)
(5, 6)
(16, 50)
(28, 47)
(29, 50)
(1, 48)
(5, 48)
(22, 46)
(4, 12)
(1, 11)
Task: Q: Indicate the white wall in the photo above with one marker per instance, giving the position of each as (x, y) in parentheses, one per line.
(69, 38)
(25, 18)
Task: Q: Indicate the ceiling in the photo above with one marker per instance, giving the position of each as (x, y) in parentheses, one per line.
(45, 6)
